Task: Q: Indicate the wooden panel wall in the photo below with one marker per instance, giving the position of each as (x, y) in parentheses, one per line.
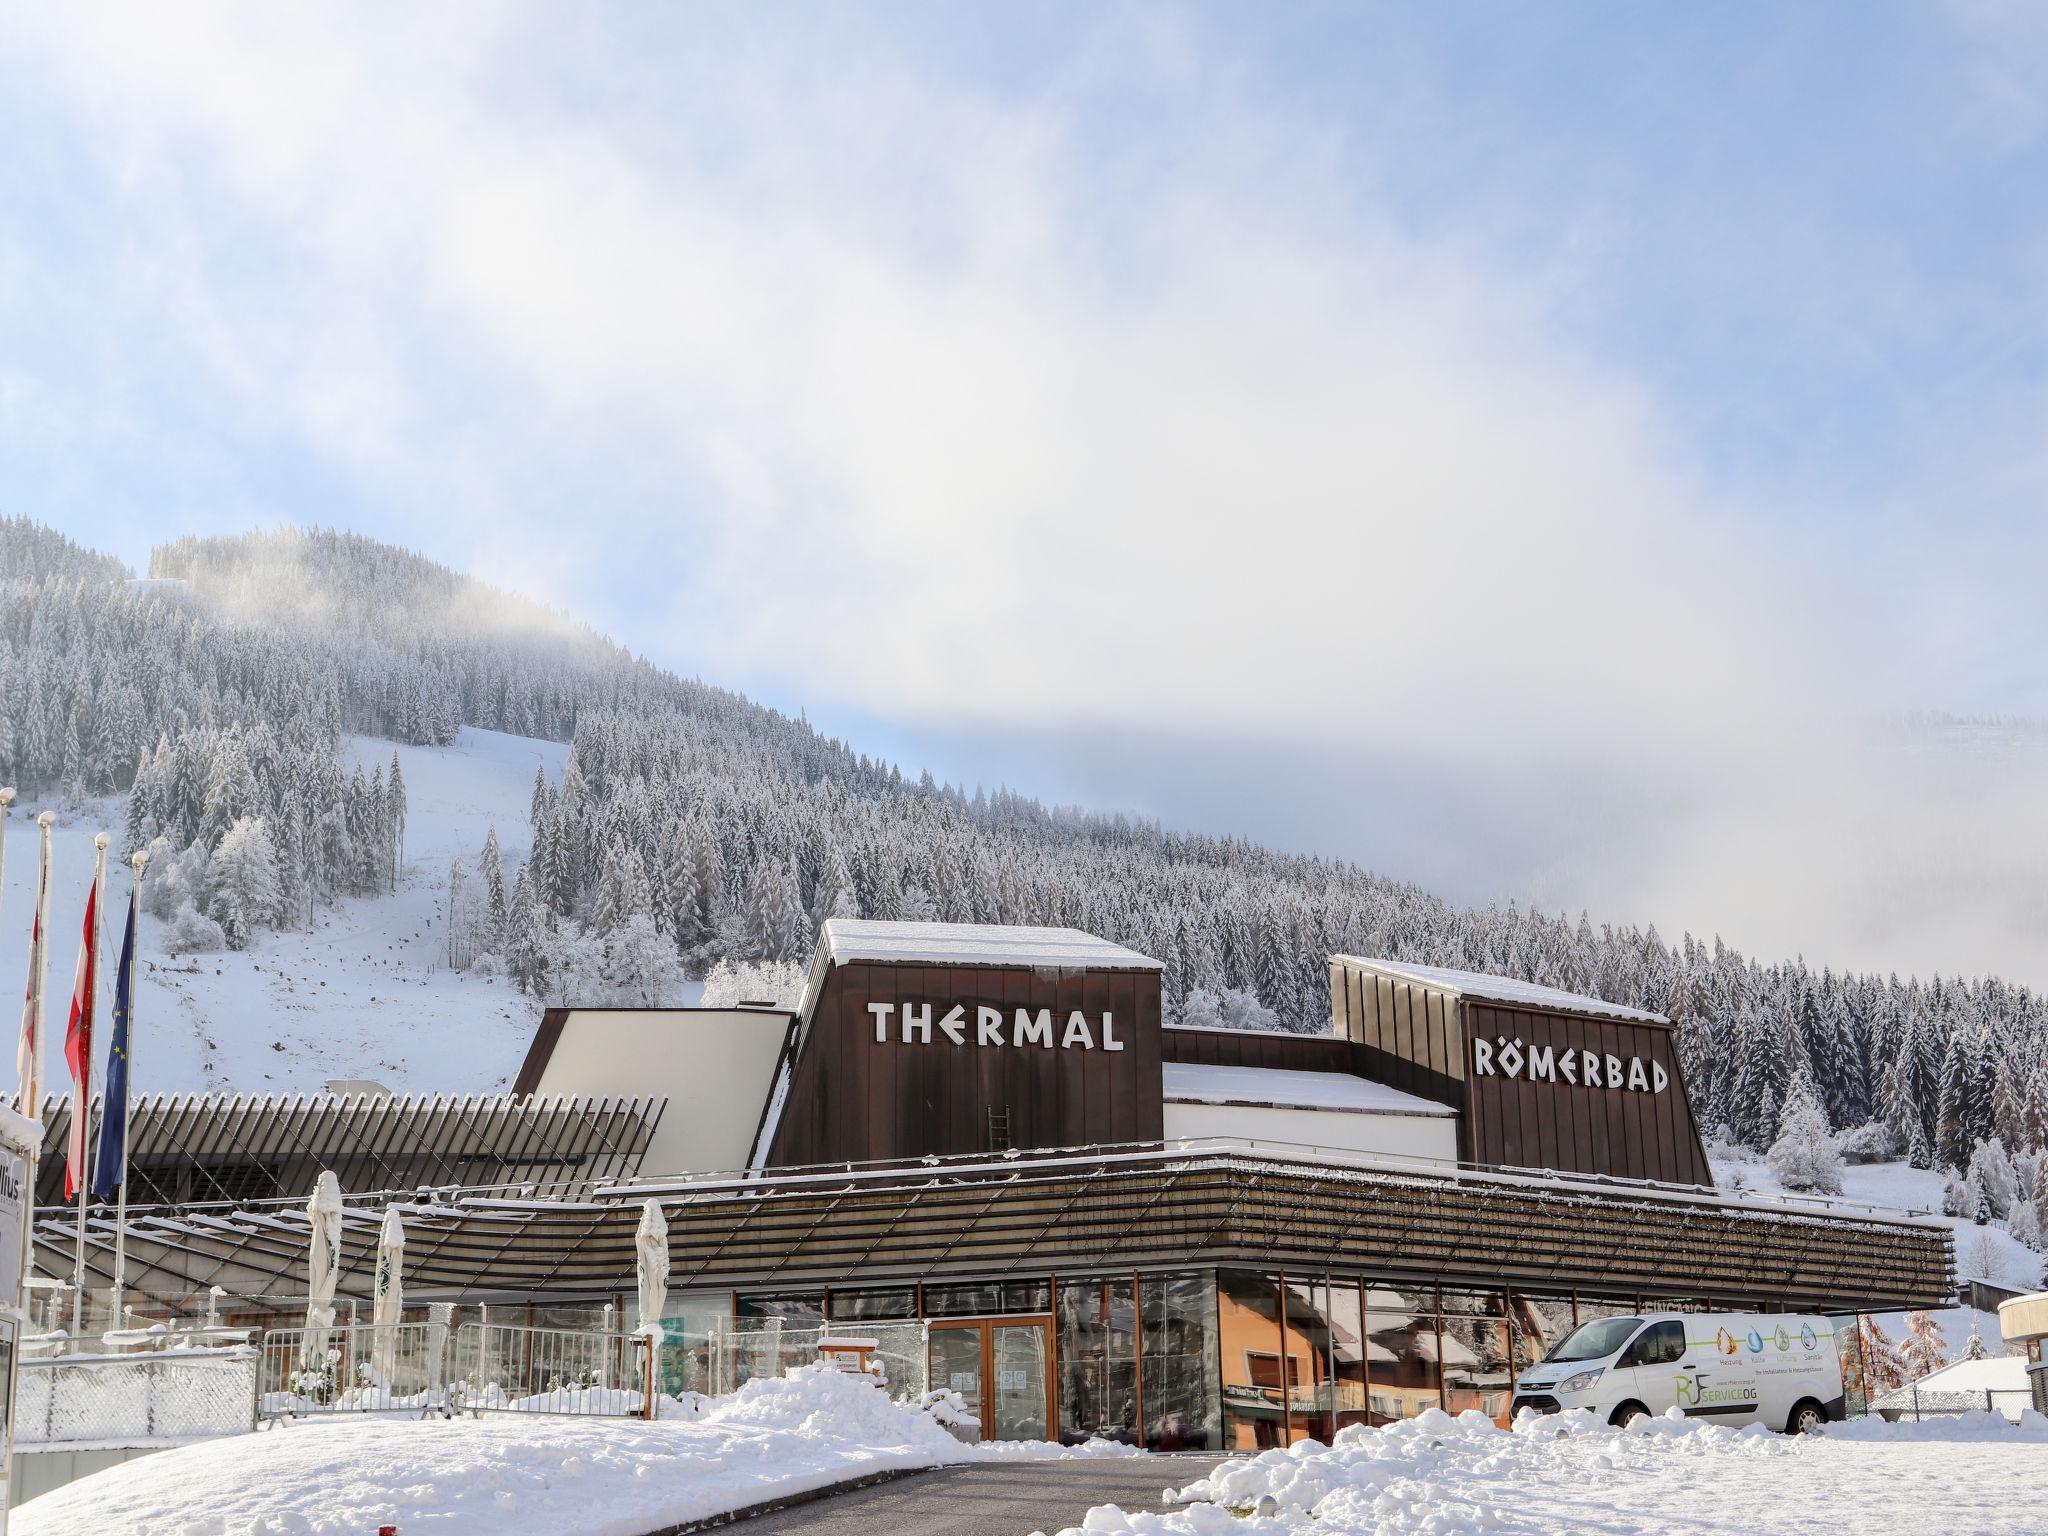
(1409, 1037)
(1618, 1131)
(854, 1099)
(1259, 1048)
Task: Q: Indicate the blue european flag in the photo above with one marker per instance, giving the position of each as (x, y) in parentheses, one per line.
(110, 1167)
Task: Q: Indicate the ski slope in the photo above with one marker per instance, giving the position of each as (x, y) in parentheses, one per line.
(366, 993)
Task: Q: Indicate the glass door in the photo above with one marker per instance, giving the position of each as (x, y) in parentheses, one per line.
(1001, 1369)
(956, 1364)
(1021, 1381)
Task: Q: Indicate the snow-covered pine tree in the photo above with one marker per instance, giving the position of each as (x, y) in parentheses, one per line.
(1804, 1156)
(244, 895)
(394, 791)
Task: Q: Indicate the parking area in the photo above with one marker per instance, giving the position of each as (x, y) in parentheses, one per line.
(988, 1499)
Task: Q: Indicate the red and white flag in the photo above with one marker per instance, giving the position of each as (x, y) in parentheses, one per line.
(78, 1042)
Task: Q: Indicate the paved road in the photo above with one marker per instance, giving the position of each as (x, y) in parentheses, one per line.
(987, 1498)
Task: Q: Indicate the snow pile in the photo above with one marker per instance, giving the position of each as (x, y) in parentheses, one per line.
(1570, 1473)
(516, 1472)
(1976, 1425)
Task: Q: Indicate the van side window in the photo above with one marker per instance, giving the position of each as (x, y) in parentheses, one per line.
(1658, 1344)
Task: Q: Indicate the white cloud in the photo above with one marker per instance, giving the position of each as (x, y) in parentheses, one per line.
(933, 412)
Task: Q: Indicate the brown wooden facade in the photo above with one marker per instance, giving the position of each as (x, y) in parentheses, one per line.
(852, 1098)
(1421, 1038)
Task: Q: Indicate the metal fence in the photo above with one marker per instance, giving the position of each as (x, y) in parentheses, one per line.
(735, 1356)
(138, 1399)
(511, 1368)
(1912, 1404)
(521, 1367)
(363, 1368)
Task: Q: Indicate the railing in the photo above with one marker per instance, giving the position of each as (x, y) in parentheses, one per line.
(365, 1368)
(141, 1399)
(508, 1368)
(1913, 1404)
(902, 1352)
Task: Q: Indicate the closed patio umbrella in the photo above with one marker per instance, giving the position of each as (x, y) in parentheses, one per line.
(323, 1266)
(389, 1301)
(650, 1245)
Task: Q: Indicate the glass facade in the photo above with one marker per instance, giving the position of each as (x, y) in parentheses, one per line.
(1331, 1313)
(891, 1303)
(1202, 1360)
(1258, 1368)
(1098, 1354)
(1401, 1353)
(1473, 1327)
(1183, 1396)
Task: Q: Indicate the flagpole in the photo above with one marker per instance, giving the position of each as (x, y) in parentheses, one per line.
(83, 1107)
(6, 804)
(129, 944)
(40, 977)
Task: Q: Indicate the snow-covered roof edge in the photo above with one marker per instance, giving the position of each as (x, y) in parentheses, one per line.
(1500, 989)
(847, 939)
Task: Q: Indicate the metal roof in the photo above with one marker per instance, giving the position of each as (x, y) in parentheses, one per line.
(198, 1148)
(1500, 989)
(1151, 1207)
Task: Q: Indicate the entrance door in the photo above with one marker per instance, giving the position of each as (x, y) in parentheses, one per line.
(1001, 1367)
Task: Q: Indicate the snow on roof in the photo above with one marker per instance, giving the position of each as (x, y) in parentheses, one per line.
(847, 938)
(1190, 1082)
(1500, 989)
(1993, 1373)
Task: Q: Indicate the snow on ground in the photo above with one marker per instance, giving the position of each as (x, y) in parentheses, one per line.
(1438, 1476)
(506, 1473)
(366, 993)
(1982, 1253)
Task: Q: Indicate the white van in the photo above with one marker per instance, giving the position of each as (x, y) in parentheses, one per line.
(1782, 1369)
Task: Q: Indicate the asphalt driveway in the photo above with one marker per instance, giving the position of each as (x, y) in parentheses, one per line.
(987, 1498)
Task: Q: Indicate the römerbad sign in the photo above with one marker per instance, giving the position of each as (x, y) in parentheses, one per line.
(1509, 1057)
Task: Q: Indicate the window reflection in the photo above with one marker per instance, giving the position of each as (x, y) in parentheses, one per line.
(1179, 1340)
(1475, 1353)
(1401, 1353)
(1256, 1372)
(1328, 1314)
(1098, 1355)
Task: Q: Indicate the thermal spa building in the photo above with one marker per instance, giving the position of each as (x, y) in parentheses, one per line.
(1188, 1238)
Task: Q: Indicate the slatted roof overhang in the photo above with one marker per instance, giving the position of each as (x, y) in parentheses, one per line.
(1156, 1210)
(560, 1145)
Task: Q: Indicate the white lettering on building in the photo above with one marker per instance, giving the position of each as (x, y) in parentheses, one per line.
(912, 1024)
(1503, 1056)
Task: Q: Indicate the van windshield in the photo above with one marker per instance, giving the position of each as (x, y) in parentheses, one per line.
(1597, 1340)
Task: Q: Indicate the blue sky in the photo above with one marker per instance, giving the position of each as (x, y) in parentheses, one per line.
(1521, 447)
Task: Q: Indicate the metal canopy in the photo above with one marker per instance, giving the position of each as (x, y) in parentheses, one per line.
(189, 1149)
(1161, 1208)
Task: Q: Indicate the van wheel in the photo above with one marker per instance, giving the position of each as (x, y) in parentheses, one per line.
(1807, 1416)
(1627, 1414)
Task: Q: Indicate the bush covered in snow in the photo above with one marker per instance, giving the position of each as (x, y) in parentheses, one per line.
(192, 932)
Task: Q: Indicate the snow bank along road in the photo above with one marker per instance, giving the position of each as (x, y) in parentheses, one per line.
(1439, 1476)
(509, 1475)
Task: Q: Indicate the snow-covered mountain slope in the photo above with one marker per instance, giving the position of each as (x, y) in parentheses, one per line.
(366, 993)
